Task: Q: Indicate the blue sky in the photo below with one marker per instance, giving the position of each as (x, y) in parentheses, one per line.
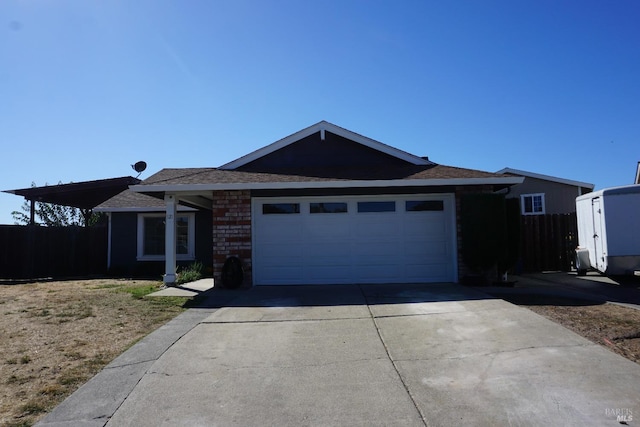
(88, 88)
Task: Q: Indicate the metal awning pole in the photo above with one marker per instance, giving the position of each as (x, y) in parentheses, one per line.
(32, 213)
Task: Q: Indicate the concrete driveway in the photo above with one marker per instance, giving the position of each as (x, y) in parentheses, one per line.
(436, 355)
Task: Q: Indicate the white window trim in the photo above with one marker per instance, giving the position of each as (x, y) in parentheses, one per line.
(532, 195)
(189, 256)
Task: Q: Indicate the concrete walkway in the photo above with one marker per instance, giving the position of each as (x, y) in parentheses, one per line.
(437, 355)
(594, 287)
(190, 289)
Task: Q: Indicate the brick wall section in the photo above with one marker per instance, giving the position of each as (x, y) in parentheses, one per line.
(460, 190)
(232, 231)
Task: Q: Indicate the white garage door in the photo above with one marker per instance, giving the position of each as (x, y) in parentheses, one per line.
(354, 239)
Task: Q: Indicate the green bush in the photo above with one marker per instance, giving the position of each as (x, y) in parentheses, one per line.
(190, 273)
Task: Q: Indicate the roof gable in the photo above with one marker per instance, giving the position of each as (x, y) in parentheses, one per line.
(323, 145)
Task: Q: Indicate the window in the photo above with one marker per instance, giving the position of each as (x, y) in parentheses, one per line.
(328, 208)
(151, 237)
(532, 204)
(424, 205)
(280, 208)
(376, 207)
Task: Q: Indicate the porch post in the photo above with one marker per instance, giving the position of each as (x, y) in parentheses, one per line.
(170, 240)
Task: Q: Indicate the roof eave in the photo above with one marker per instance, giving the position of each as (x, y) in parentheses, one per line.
(547, 178)
(199, 188)
(180, 208)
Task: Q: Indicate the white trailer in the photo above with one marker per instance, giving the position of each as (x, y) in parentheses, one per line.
(609, 231)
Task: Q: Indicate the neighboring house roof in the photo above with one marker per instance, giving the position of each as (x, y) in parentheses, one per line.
(83, 195)
(518, 172)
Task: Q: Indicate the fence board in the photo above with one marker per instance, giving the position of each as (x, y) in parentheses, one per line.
(28, 252)
(548, 242)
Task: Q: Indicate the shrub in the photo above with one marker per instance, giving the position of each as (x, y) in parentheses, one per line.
(190, 273)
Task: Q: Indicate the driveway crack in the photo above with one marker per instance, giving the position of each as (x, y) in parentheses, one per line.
(393, 363)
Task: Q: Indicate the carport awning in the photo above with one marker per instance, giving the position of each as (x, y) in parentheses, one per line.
(83, 195)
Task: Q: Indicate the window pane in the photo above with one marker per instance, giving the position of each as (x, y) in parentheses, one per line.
(153, 236)
(376, 206)
(528, 204)
(182, 235)
(280, 208)
(537, 203)
(424, 205)
(328, 208)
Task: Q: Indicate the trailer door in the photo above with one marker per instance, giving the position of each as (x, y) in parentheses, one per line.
(598, 241)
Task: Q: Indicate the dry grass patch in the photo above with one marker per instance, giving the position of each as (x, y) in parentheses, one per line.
(54, 336)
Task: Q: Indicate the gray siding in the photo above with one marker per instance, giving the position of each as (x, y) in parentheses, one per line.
(312, 152)
(559, 198)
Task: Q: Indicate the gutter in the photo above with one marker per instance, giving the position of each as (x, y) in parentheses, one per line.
(196, 188)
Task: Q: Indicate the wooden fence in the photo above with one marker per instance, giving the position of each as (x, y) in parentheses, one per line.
(31, 252)
(548, 242)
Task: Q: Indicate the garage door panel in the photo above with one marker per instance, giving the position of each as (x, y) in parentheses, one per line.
(379, 248)
(353, 247)
(419, 228)
(426, 250)
(339, 260)
(280, 231)
(436, 260)
(328, 259)
(432, 271)
(283, 273)
(378, 228)
(378, 273)
(279, 251)
(327, 229)
(329, 273)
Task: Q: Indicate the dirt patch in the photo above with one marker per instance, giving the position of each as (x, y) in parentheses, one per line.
(611, 325)
(54, 336)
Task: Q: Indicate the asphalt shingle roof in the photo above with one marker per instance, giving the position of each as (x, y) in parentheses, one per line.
(131, 200)
(190, 176)
(221, 176)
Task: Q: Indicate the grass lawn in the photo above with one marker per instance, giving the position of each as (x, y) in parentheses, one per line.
(54, 336)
